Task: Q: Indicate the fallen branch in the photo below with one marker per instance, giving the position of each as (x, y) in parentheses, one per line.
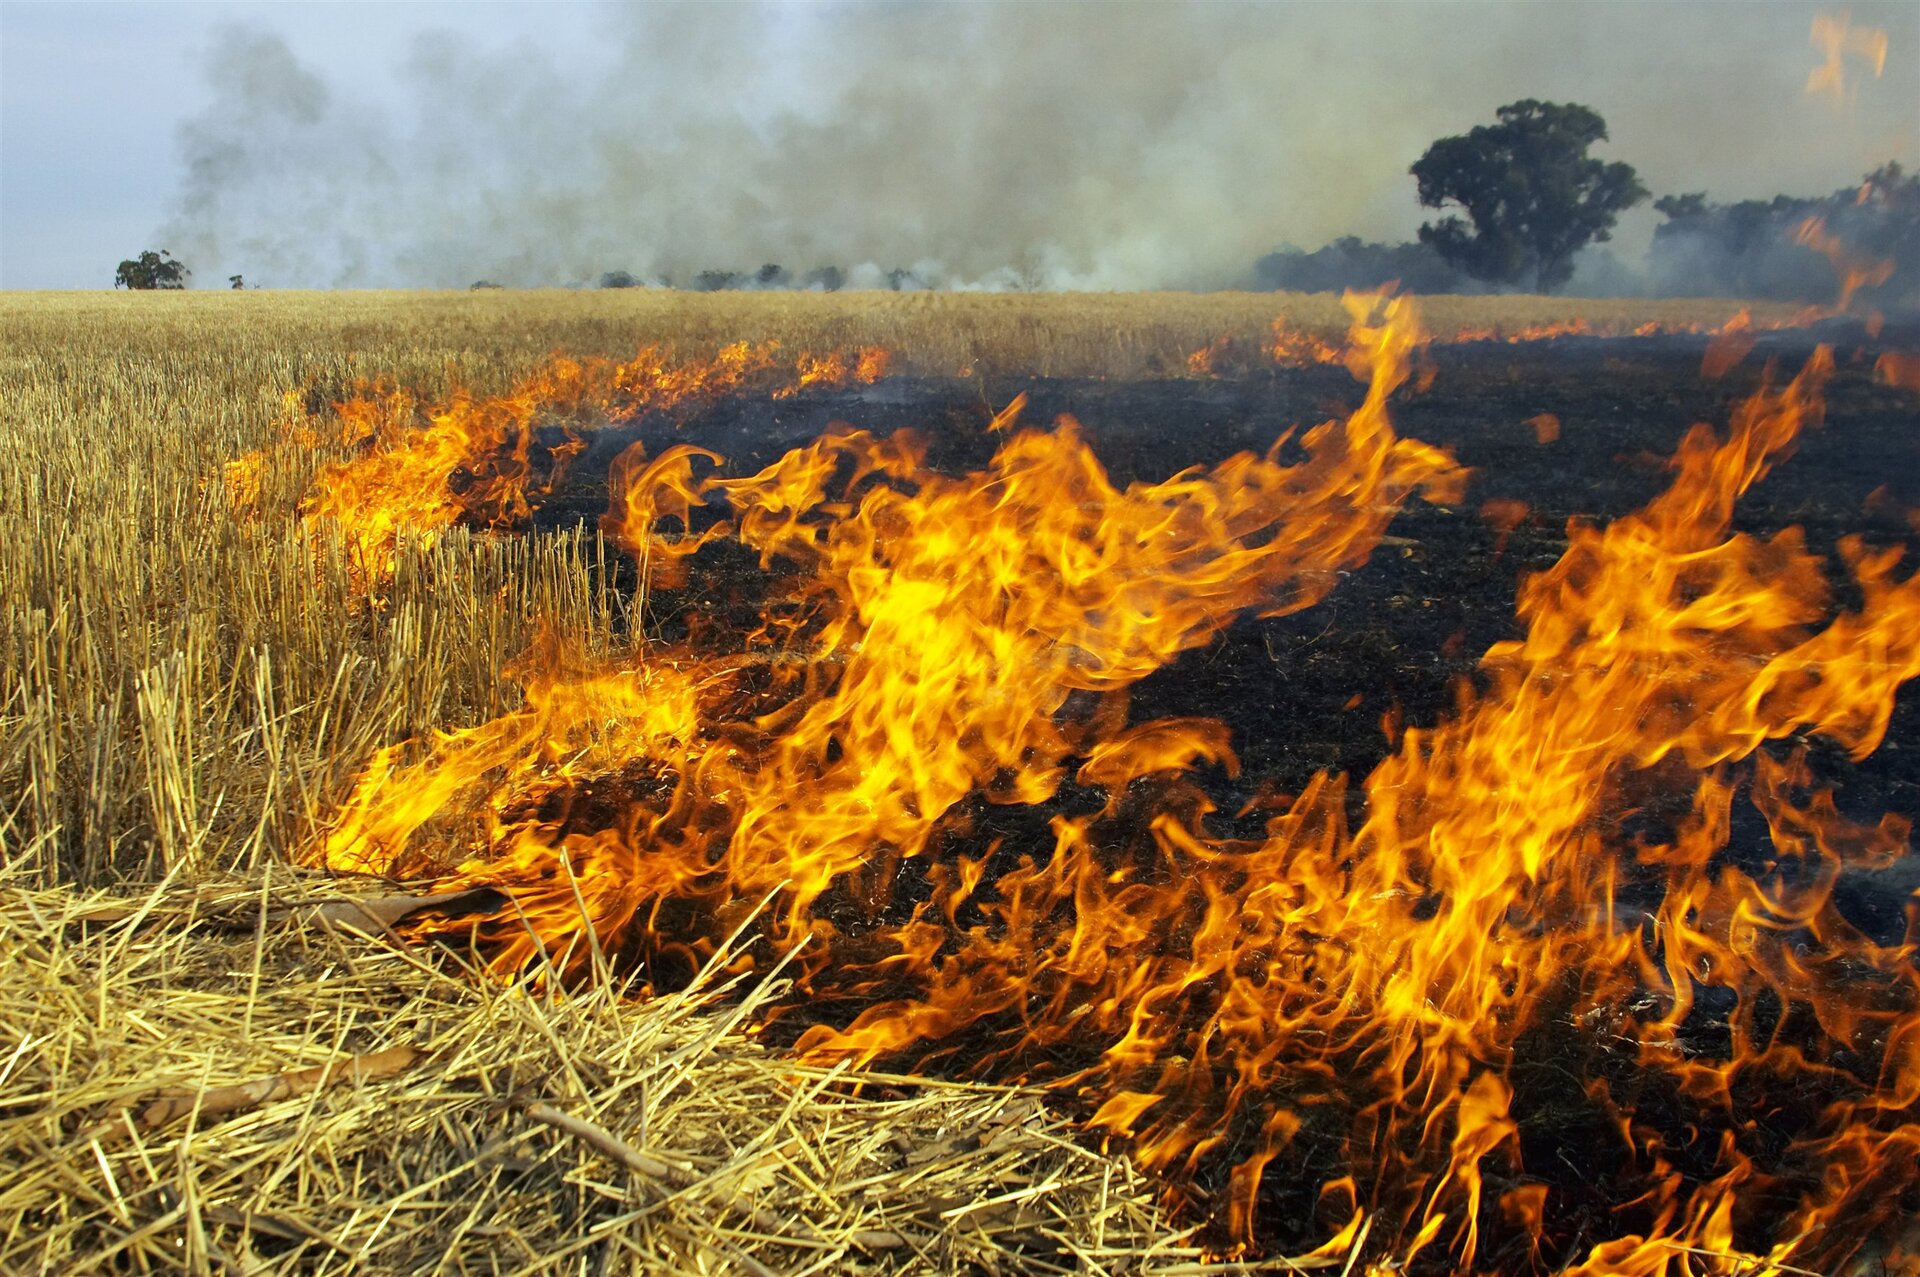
(371, 914)
(609, 1144)
(615, 1149)
(239, 1096)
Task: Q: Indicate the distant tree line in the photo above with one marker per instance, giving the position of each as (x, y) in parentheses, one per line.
(1748, 248)
(1529, 199)
(773, 276)
(1522, 200)
(1350, 262)
(1758, 248)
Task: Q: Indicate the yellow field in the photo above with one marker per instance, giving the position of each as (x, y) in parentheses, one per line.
(485, 336)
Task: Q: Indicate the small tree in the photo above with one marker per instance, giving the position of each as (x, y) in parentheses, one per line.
(1532, 194)
(236, 283)
(152, 270)
(618, 279)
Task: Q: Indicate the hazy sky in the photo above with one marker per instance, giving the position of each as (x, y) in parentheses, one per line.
(1116, 145)
(93, 97)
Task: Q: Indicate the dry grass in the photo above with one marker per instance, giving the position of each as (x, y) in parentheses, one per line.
(488, 336)
(166, 1104)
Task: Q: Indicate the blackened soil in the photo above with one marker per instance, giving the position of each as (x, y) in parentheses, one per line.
(1309, 692)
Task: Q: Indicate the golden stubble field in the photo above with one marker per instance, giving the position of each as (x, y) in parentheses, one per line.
(184, 693)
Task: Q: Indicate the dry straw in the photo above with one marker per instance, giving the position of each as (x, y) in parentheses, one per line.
(237, 1077)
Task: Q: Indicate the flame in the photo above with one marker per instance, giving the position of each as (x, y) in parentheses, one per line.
(1294, 348)
(1503, 515)
(240, 479)
(1286, 347)
(837, 370)
(1356, 1021)
(1290, 347)
(1837, 39)
(1207, 361)
(1853, 270)
(1484, 886)
(1898, 368)
(1550, 331)
(482, 461)
(958, 616)
(1734, 341)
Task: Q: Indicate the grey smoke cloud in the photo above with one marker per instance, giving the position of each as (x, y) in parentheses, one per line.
(1090, 146)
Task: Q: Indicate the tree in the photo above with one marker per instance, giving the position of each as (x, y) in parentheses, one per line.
(619, 279)
(236, 283)
(1756, 248)
(152, 270)
(1531, 192)
(1349, 262)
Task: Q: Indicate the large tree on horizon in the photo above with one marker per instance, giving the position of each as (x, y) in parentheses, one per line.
(152, 270)
(1532, 195)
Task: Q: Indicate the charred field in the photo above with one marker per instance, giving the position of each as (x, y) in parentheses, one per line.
(1400, 631)
(1691, 1054)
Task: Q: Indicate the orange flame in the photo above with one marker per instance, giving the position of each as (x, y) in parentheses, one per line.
(240, 479)
(1550, 331)
(1207, 361)
(1853, 270)
(1503, 515)
(1730, 345)
(925, 600)
(1484, 885)
(1286, 346)
(1898, 368)
(480, 461)
(1290, 347)
(1293, 348)
(1837, 39)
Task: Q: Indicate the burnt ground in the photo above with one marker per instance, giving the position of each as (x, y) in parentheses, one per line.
(1400, 632)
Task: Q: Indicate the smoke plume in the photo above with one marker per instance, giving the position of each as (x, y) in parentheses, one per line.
(1084, 146)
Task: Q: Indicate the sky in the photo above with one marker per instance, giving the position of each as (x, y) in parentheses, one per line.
(1117, 145)
(93, 97)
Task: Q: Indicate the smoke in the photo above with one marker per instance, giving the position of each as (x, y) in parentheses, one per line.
(1059, 146)
(1803, 249)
